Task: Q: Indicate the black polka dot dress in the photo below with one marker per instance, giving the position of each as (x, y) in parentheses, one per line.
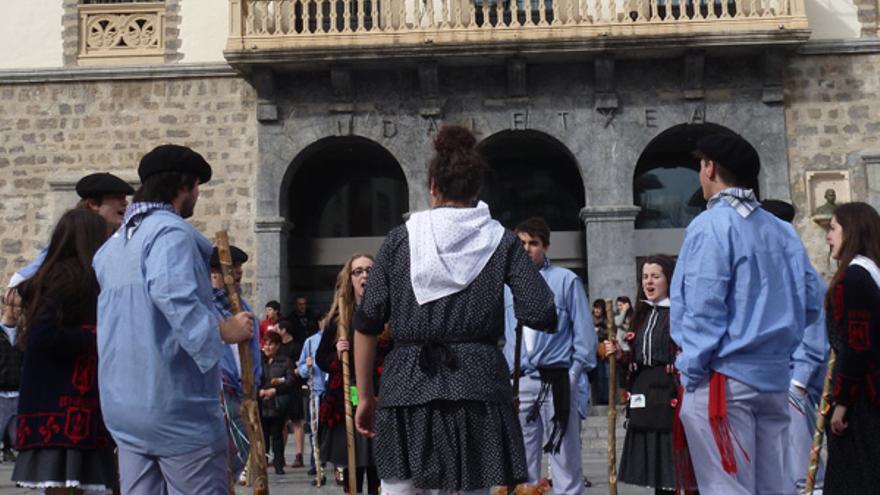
(446, 418)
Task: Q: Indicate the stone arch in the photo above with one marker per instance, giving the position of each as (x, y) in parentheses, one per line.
(665, 179)
(340, 194)
(533, 173)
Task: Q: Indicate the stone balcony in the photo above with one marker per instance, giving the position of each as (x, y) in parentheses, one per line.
(305, 32)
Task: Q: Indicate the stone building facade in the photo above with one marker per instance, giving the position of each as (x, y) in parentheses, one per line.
(581, 138)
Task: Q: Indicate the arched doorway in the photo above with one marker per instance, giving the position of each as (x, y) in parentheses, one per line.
(533, 174)
(343, 196)
(666, 186)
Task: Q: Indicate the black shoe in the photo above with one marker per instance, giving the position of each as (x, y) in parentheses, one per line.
(587, 482)
(313, 471)
(279, 470)
(323, 481)
(8, 455)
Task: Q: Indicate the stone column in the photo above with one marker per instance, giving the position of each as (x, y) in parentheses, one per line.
(272, 275)
(611, 253)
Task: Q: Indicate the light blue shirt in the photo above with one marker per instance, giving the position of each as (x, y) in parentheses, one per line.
(159, 344)
(742, 293)
(310, 348)
(30, 269)
(809, 359)
(230, 365)
(573, 346)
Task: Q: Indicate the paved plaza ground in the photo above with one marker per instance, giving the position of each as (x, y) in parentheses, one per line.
(297, 482)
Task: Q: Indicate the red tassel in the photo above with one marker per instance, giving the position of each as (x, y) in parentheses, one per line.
(721, 430)
(685, 479)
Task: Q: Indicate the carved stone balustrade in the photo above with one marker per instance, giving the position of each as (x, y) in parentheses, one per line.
(306, 31)
(132, 33)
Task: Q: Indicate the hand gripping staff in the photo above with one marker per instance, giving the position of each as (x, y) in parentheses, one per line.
(313, 419)
(250, 414)
(818, 435)
(612, 401)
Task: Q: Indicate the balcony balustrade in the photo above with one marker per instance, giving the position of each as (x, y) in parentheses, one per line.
(292, 30)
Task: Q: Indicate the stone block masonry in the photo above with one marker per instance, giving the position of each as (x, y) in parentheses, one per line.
(832, 116)
(69, 129)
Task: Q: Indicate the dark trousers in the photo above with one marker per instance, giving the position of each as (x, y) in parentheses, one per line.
(273, 431)
(372, 480)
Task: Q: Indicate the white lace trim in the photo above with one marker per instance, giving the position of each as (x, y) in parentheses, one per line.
(89, 489)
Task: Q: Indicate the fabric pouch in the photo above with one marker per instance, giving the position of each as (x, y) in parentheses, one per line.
(652, 400)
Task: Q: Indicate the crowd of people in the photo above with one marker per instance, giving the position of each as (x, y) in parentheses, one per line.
(465, 354)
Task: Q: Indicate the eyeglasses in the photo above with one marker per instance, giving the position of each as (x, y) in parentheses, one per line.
(357, 272)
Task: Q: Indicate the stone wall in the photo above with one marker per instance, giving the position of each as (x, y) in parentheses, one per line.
(833, 123)
(69, 129)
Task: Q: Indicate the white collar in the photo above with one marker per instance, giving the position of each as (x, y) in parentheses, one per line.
(869, 265)
(448, 248)
(663, 303)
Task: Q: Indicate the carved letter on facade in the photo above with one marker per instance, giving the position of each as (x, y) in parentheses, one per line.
(519, 121)
(432, 125)
(650, 117)
(698, 115)
(563, 120)
(345, 126)
(389, 128)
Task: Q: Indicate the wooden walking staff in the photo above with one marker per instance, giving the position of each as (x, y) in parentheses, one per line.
(612, 401)
(250, 414)
(349, 415)
(316, 450)
(819, 434)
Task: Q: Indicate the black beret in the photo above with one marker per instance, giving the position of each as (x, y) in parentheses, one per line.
(174, 158)
(783, 211)
(97, 185)
(733, 153)
(238, 256)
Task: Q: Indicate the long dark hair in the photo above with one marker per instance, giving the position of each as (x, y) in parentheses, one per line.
(66, 282)
(861, 236)
(643, 309)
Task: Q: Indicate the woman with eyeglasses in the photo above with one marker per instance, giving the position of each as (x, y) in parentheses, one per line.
(445, 420)
(350, 285)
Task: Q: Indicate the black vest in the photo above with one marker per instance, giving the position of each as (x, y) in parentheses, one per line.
(10, 364)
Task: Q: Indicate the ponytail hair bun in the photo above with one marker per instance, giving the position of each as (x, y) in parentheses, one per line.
(457, 169)
(452, 138)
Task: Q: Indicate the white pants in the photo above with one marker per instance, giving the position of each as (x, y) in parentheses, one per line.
(568, 474)
(802, 411)
(405, 487)
(759, 420)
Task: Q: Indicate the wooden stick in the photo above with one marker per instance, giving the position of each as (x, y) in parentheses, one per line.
(517, 363)
(250, 413)
(316, 450)
(349, 415)
(612, 401)
(819, 434)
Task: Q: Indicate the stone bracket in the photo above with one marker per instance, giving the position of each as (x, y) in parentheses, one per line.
(603, 79)
(278, 225)
(773, 67)
(264, 84)
(871, 160)
(429, 88)
(342, 88)
(609, 213)
(517, 77)
(694, 70)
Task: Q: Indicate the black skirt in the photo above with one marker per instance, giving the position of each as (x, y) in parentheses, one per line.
(647, 460)
(335, 450)
(451, 445)
(93, 470)
(853, 456)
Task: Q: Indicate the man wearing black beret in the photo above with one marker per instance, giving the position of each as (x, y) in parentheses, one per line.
(742, 293)
(160, 340)
(102, 193)
(230, 365)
